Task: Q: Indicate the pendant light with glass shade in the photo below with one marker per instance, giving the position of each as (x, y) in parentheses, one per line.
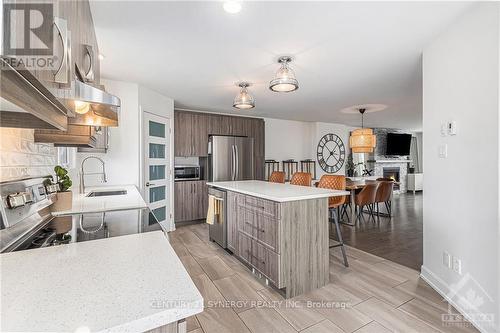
(244, 100)
(284, 80)
(362, 140)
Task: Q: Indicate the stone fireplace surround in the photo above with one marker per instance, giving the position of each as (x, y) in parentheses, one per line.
(379, 166)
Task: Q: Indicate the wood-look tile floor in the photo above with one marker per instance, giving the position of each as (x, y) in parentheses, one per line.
(399, 239)
(371, 295)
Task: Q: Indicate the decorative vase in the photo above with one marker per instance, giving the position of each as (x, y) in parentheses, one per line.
(64, 201)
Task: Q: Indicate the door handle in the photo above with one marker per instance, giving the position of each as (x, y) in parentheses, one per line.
(148, 184)
(237, 164)
(233, 163)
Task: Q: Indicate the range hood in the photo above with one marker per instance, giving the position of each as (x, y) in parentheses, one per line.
(103, 108)
(27, 103)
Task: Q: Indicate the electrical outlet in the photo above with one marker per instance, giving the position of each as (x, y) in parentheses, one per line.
(457, 265)
(446, 259)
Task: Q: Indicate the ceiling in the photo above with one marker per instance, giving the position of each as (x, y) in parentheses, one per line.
(345, 53)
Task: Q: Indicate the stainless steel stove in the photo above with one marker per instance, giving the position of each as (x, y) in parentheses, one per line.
(24, 211)
(27, 223)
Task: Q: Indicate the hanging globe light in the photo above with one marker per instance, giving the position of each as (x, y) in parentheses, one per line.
(284, 80)
(244, 100)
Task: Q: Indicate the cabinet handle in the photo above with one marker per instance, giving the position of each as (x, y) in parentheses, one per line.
(89, 74)
(62, 31)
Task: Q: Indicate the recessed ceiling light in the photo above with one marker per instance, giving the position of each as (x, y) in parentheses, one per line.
(232, 7)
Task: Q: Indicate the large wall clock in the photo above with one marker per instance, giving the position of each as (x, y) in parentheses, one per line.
(330, 153)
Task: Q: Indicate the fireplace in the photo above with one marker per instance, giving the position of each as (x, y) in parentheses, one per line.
(392, 173)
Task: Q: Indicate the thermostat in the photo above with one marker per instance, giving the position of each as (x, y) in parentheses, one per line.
(452, 127)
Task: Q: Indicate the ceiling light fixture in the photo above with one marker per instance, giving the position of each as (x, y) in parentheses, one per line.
(232, 7)
(101, 56)
(244, 100)
(284, 80)
(81, 107)
(362, 140)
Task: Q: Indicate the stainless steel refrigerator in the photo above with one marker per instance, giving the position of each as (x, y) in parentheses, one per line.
(230, 158)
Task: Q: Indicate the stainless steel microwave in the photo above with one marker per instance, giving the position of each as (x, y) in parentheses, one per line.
(187, 172)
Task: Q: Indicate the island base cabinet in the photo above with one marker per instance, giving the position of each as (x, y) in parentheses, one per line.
(286, 242)
(177, 327)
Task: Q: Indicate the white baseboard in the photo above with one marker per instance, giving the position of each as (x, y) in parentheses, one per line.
(441, 288)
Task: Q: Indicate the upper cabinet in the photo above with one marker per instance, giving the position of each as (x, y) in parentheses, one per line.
(39, 90)
(192, 129)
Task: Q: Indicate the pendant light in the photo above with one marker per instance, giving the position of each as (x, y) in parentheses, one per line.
(244, 100)
(362, 140)
(284, 80)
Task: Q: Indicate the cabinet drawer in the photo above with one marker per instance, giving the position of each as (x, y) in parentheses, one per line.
(260, 226)
(248, 222)
(266, 261)
(266, 207)
(259, 257)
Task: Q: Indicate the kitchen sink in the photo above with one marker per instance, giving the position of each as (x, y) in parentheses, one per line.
(106, 193)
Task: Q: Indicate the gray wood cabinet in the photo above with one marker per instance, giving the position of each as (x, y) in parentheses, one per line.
(183, 134)
(191, 131)
(286, 242)
(74, 36)
(191, 200)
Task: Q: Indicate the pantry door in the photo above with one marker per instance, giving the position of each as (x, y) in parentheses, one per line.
(157, 168)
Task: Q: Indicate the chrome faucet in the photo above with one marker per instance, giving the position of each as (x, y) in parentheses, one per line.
(83, 174)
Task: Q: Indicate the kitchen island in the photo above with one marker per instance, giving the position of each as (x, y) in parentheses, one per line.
(280, 230)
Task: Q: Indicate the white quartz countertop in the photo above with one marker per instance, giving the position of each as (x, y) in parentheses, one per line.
(276, 192)
(83, 204)
(130, 283)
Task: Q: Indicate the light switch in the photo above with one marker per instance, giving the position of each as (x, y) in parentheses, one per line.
(444, 129)
(443, 150)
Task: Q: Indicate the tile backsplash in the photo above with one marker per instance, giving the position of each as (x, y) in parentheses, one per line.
(21, 157)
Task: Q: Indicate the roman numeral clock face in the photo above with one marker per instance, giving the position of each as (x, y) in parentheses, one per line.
(331, 153)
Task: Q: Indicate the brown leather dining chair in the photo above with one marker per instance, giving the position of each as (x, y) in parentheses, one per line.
(366, 198)
(301, 178)
(335, 182)
(277, 177)
(384, 194)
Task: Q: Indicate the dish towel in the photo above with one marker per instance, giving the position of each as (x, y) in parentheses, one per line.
(211, 209)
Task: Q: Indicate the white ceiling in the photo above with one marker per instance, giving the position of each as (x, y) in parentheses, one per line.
(345, 53)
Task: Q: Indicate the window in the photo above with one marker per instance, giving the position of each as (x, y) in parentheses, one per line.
(66, 157)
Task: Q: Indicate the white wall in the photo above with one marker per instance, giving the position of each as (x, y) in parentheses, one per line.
(288, 139)
(122, 159)
(461, 197)
(298, 140)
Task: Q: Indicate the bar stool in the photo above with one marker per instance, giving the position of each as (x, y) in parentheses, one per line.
(366, 197)
(277, 177)
(301, 178)
(335, 182)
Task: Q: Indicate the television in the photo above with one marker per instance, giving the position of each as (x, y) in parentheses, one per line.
(398, 144)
